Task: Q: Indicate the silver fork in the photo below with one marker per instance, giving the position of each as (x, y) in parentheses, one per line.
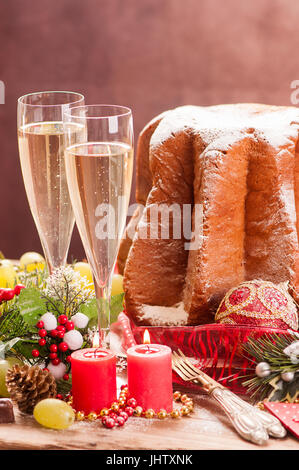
(251, 423)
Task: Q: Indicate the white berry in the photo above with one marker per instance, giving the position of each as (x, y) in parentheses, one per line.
(73, 339)
(57, 371)
(50, 321)
(263, 369)
(287, 376)
(80, 320)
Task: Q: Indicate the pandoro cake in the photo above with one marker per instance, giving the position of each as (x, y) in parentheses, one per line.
(240, 164)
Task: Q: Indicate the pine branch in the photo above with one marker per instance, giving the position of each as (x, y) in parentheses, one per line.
(270, 349)
(12, 325)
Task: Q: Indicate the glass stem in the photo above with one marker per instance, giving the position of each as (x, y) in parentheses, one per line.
(103, 304)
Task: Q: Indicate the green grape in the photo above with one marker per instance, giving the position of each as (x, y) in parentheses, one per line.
(6, 364)
(117, 284)
(54, 414)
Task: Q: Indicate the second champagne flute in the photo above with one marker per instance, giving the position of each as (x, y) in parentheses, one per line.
(99, 175)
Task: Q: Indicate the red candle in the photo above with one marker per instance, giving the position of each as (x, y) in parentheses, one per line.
(93, 379)
(150, 376)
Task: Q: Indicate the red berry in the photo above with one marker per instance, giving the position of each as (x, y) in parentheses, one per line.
(63, 347)
(69, 325)
(18, 289)
(66, 377)
(42, 342)
(35, 352)
(42, 332)
(60, 328)
(53, 355)
(59, 396)
(68, 359)
(40, 324)
(7, 294)
(46, 369)
(132, 402)
(123, 415)
(120, 421)
(60, 334)
(54, 333)
(104, 418)
(56, 361)
(109, 423)
(53, 348)
(129, 410)
(62, 319)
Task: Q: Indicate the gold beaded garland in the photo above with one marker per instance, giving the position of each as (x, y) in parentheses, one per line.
(184, 398)
(175, 414)
(185, 410)
(115, 407)
(92, 416)
(80, 416)
(138, 411)
(149, 413)
(162, 414)
(177, 396)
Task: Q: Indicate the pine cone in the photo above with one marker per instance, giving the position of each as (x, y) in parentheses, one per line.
(29, 385)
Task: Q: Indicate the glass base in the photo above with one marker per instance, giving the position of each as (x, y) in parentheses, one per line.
(104, 337)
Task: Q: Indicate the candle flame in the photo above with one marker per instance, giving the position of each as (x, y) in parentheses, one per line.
(96, 340)
(146, 337)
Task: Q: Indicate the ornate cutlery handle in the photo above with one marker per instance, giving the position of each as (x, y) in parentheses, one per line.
(244, 420)
(251, 423)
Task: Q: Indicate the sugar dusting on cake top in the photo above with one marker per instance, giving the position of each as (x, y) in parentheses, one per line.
(276, 123)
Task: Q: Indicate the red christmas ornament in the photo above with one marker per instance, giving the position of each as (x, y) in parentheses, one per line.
(258, 303)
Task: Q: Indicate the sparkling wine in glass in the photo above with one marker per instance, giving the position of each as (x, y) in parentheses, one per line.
(41, 149)
(99, 176)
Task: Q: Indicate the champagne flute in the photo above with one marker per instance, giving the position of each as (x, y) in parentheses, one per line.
(41, 149)
(99, 176)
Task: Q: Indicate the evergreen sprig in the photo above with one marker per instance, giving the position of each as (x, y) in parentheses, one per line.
(270, 348)
(12, 324)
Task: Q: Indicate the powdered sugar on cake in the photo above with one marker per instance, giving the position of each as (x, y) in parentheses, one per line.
(164, 316)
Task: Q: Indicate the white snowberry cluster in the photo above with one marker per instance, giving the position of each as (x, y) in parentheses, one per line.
(72, 338)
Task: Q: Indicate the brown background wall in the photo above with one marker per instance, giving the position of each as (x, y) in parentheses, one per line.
(148, 54)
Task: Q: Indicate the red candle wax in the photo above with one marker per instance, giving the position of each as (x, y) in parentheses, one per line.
(93, 379)
(150, 376)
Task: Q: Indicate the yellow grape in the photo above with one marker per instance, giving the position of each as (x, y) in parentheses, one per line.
(54, 414)
(84, 270)
(8, 276)
(117, 284)
(6, 364)
(32, 261)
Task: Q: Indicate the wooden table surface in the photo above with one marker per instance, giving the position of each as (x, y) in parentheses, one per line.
(206, 429)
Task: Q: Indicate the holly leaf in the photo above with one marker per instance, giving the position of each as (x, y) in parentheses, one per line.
(31, 305)
(116, 306)
(24, 348)
(90, 309)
